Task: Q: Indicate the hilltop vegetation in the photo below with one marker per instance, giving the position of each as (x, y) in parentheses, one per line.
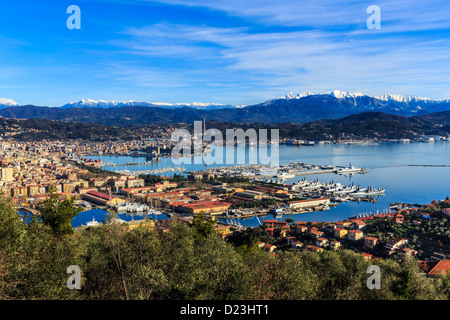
(187, 262)
(360, 126)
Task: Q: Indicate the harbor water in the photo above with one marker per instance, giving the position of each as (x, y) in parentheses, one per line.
(404, 169)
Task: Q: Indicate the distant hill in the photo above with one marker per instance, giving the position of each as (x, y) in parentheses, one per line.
(120, 116)
(437, 117)
(364, 125)
(43, 129)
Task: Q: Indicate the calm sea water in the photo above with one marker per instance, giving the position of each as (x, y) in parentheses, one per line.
(385, 164)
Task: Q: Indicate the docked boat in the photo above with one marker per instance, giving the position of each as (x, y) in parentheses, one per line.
(349, 169)
(86, 204)
(313, 186)
(302, 183)
(346, 190)
(154, 212)
(340, 199)
(285, 175)
(369, 191)
(332, 187)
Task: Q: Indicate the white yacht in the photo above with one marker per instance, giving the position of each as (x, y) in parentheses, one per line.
(92, 223)
(286, 175)
(154, 212)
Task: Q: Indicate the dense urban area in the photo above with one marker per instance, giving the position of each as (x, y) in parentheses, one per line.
(193, 255)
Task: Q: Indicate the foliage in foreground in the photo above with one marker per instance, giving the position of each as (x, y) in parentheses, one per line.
(184, 263)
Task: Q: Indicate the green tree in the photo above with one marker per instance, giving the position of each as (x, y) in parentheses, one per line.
(202, 227)
(12, 228)
(59, 214)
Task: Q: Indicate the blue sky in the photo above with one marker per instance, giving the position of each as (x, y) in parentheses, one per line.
(229, 51)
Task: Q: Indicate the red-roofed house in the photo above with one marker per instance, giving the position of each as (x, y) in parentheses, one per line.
(334, 244)
(370, 242)
(296, 244)
(396, 243)
(316, 233)
(301, 228)
(358, 224)
(366, 256)
(269, 247)
(340, 232)
(399, 218)
(355, 235)
(275, 223)
(322, 242)
(435, 268)
(313, 248)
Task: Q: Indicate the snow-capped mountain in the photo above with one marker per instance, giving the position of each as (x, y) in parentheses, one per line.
(89, 103)
(345, 95)
(392, 103)
(7, 103)
(293, 108)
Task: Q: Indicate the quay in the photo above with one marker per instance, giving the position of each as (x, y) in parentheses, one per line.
(298, 173)
(129, 164)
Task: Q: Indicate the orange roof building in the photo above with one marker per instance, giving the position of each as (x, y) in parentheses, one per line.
(435, 268)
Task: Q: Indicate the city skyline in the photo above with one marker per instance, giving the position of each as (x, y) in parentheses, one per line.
(223, 52)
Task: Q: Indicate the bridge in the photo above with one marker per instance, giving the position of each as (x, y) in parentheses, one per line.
(28, 211)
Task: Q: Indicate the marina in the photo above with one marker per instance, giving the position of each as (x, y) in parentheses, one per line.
(396, 167)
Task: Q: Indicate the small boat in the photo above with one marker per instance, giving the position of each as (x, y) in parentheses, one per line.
(92, 223)
(86, 204)
(285, 175)
(155, 212)
(349, 169)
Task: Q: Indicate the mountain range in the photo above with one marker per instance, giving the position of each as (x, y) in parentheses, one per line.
(300, 108)
(88, 103)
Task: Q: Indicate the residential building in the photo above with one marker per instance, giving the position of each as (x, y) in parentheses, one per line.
(370, 242)
(355, 235)
(322, 242)
(399, 218)
(358, 224)
(435, 268)
(314, 248)
(396, 243)
(340, 232)
(335, 245)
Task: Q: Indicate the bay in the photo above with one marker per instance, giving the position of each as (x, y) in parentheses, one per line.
(389, 165)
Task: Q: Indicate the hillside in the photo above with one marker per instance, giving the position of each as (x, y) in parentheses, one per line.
(359, 126)
(42, 129)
